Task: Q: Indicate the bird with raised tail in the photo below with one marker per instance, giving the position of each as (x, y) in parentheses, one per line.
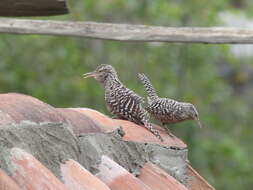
(121, 101)
(167, 110)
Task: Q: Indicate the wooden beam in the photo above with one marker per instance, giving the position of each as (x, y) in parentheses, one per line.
(126, 32)
(32, 7)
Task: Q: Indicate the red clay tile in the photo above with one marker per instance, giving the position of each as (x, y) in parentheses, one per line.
(18, 107)
(5, 118)
(107, 124)
(30, 174)
(133, 132)
(76, 177)
(196, 182)
(139, 133)
(118, 178)
(156, 178)
(81, 123)
(6, 183)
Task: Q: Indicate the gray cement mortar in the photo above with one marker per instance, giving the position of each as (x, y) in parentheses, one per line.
(54, 143)
(50, 143)
(131, 155)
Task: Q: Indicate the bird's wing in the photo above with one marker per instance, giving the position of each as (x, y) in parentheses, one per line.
(138, 98)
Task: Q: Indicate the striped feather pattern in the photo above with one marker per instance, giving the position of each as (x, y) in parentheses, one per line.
(166, 110)
(121, 101)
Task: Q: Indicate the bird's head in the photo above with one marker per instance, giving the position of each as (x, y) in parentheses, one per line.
(193, 113)
(101, 73)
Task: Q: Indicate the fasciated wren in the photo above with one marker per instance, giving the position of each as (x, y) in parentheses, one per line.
(167, 110)
(121, 101)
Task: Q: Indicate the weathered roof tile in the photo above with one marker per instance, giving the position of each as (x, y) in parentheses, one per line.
(81, 122)
(106, 123)
(133, 131)
(7, 183)
(76, 177)
(196, 182)
(30, 174)
(19, 107)
(139, 133)
(156, 178)
(118, 178)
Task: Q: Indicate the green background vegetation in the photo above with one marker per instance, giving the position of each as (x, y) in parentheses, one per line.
(209, 76)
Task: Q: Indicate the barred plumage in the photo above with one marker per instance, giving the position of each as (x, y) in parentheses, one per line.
(121, 101)
(167, 110)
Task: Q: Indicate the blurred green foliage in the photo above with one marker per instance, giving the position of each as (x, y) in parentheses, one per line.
(51, 68)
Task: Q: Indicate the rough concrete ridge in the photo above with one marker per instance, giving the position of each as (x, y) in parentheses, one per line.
(54, 138)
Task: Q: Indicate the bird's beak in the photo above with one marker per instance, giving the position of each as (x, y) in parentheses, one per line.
(91, 74)
(199, 123)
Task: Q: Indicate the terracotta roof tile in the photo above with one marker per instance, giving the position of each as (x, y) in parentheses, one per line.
(196, 182)
(5, 118)
(7, 183)
(156, 178)
(105, 123)
(138, 133)
(133, 132)
(118, 178)
(76, 177)
(81, 122)
(30, 174)
(18, 107)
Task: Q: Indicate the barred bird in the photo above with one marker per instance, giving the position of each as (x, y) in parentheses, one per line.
(121, 102)
(167, 110)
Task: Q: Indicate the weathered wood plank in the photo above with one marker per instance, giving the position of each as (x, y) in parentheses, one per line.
(126, 32)
(32, 7)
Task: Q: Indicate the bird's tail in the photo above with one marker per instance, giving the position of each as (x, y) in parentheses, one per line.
(148, 86)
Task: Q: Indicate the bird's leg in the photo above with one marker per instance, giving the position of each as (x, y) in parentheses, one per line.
(152, 130)
(165, 126)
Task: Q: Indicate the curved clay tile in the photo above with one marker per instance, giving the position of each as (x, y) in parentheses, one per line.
(105, 123)
(30, 174)
(197, 182)
(76, 177)
(156, 178)
(80, 122)
(133, 132)
(5, 118)
(138, 133)
(19, 107)
(118, 178)
(6, 183)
